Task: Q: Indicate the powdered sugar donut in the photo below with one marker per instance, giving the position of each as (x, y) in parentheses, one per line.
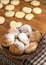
(31, 47)
(14, 31)
(23, 38)
(17, 48)
(26, 29)
(7, 39)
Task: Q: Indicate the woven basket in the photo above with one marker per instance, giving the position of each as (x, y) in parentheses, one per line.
(8, 59)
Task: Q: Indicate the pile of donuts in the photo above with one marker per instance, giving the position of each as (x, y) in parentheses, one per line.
(21, 40)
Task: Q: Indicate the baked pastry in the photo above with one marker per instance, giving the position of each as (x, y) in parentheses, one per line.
(31, 47)
(14, 31)
(7, 39)
(26, 29)
(17, 48)
(36, 36)
(23, 38)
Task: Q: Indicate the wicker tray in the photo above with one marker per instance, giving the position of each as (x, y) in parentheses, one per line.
(18, 60)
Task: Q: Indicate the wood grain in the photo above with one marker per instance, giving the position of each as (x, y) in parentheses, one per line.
(37, 23)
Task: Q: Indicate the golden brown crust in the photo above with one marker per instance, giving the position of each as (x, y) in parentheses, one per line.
(15, 50)
(32, 47)
(6, 42)
(36, 36)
